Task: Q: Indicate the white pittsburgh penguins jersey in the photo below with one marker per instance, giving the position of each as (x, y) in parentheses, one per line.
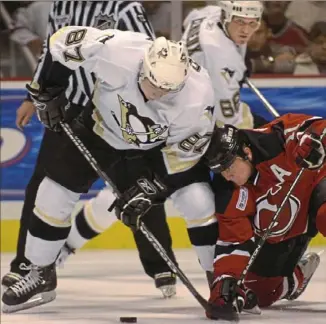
(205, 12)
(209, 46)
(183, 120)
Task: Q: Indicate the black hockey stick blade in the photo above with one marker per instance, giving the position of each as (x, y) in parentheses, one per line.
(223, 313)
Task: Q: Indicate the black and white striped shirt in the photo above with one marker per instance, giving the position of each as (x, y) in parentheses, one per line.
(123, 15)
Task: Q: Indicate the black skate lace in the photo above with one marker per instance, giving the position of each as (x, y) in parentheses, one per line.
(27, 283)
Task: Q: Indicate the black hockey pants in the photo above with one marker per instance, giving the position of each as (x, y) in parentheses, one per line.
(155, 219)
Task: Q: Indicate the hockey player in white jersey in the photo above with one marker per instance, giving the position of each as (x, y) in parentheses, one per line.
(216, 38)
(202, 13)
(150, 123)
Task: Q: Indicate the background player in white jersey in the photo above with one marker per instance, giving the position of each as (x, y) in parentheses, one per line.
(149, 124)
(216, 37)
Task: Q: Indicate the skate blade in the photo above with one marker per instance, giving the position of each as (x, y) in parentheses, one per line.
(42, 299)
(168, 291)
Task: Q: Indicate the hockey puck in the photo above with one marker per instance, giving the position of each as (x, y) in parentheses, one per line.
(128, 319)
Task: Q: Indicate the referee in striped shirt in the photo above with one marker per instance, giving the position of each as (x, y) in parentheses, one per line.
(123, 15)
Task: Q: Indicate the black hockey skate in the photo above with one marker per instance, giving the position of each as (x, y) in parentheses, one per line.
(15, 275)
(308, 265)
(10, 279)
(34, 289)
(166, 282)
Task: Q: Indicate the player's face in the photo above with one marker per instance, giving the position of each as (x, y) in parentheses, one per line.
(239, 171)
(241, 29)
(150, 91)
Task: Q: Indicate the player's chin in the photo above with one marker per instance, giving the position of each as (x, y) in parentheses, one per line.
(242, 40)
(240, 181)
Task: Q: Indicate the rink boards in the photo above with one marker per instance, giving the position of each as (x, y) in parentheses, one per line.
(19, 151)
(117, 236)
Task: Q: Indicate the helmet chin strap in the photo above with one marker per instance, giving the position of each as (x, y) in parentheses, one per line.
(225, 29)
(141, 73)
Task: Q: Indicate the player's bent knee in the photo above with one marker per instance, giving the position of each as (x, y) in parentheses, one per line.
(54, 203)
(196, 203)
(96, 211)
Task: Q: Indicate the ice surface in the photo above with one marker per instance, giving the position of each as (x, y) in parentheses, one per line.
(99, 287)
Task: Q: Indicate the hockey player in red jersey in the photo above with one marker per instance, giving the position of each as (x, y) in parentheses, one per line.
(258, 167)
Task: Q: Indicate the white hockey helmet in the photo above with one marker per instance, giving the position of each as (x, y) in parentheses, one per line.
(247, 9)
(166, 64)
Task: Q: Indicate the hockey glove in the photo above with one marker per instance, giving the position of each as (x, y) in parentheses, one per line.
(51, 105)
(226, 298)
(138, 199)
(310, 152)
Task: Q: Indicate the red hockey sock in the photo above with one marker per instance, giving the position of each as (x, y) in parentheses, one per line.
(270, 290)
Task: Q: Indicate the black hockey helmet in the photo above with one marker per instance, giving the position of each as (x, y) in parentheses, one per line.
(226, 144)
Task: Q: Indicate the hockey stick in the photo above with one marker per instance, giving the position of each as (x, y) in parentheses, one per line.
(150, 237)
(268, 230)
(271, 225)
(269, 107)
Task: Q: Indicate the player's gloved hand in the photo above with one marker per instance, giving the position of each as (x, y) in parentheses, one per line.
(138, 199)
(251, 305)
(227, 297)
(51, 105)
(311, 150)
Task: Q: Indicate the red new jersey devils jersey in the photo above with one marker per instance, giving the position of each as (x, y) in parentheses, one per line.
(245, 211)
(275, 177)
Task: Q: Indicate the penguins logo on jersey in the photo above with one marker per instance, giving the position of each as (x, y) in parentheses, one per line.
(103, 21)
(137, 129)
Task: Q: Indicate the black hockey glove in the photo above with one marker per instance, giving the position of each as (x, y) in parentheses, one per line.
(226, 298)
(310, 153)
(138, 199)
(51, 105)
